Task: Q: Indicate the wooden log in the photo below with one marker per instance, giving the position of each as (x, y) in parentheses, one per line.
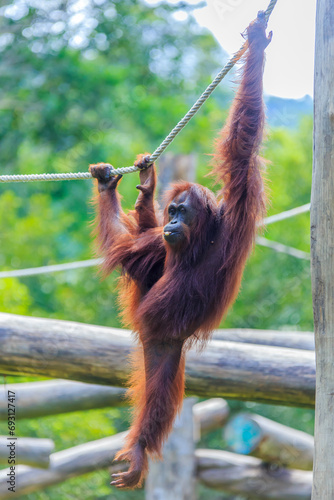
(322, 249)
(293, 339)
(98, 454)
(174, 477)
(29, 451)
(51, 397)
(249, 477)
(99, 355)
(251, 434)
(216, 469)
(64, 464)
(209, 415)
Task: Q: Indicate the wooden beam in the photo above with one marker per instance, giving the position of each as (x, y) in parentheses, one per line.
(216, 469)
(322, 249)
(208, 415)
(251, 434)
(82, 459)
(250, 478)
(292, 339)
(25, 450)
(51, 397)
(279, 338)
(94, 354)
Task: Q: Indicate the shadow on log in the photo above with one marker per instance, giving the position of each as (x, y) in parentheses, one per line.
(261, 437)
(87, 353)
(28, 451)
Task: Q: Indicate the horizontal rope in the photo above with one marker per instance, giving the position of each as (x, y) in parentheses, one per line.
(45, 177)
(18, 273)
(171, 136)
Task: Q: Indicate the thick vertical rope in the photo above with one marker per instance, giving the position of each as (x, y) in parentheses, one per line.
(171, 136)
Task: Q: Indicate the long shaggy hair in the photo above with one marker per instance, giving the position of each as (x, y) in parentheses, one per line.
(175, 296)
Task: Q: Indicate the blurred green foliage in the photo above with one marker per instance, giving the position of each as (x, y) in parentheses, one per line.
(104, 82)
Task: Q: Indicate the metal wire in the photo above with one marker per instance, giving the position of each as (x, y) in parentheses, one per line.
(278, 247)
(68, 266)
(287, 214)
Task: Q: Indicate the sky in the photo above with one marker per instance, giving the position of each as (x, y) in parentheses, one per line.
(289, 65)
(290, 56)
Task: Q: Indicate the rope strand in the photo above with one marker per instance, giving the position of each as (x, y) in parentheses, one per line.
(167, 141)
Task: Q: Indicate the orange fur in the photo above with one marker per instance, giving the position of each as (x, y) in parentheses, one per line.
(174, 296)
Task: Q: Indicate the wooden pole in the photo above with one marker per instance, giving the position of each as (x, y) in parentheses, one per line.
(174, 477)
(99, 454)
(252, 434)
(26, 450)
(222, 470)
(294, 340)
(322, 250)
(81, 459)
(64, 349)
(51, 397)
(251, 478)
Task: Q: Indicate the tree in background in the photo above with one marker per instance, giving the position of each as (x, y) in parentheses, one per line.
(85, 82)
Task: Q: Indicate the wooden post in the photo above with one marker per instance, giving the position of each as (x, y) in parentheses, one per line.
(174, 477)
(322, 250)
(173, 168)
